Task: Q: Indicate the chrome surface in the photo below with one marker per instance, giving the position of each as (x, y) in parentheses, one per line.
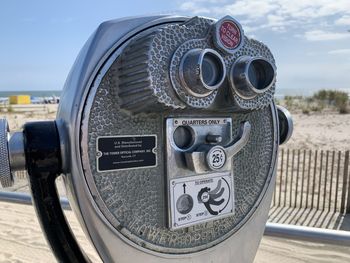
(16, 152)
(97, 56)
(192, 71)
(240, 140)
(194, 157)
(199, 160)
(26, 199)
(64, 145)
(246, 77)
(6, 177)
(211, 138)
(311, 234)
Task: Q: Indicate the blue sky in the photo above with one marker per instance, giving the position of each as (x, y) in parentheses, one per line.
(310, 40)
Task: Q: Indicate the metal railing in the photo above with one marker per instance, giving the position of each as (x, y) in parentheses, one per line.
(313, 179)
(306, 179)
(272, 229)
(311, 234)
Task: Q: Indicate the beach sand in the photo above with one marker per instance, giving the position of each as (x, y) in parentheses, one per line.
(290, 251)
(320, 131)
(21, 239)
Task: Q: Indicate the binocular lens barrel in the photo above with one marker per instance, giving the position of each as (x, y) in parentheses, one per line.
(211, 70)
(251, 76)
(285, 123)
(202, 71)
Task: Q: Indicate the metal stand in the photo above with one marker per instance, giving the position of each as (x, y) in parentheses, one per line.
(44, 165)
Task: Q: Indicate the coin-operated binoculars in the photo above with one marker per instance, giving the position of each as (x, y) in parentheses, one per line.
(167, 135)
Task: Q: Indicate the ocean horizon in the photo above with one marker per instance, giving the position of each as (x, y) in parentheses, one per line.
(32, 93)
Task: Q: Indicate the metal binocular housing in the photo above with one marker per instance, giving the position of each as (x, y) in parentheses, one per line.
(167, 136)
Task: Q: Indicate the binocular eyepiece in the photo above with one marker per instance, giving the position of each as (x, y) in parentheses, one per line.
(202, 71)
(207, 69)
(251, 76)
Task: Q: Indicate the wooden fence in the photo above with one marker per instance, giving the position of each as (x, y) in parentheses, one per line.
(313, 179)
(21, 174)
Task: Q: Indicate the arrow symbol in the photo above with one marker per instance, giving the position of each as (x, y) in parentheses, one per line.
(184, 186)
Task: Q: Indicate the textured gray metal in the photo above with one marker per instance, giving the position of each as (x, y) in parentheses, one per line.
(144, 68)
(6, 177)
(140, 211)
(125, 212)
(144, 71)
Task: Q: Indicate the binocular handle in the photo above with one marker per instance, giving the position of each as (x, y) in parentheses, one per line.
(39, 143)
(43, 157)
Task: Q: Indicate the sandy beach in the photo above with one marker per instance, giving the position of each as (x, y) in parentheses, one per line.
(21, 238)
(320, 131)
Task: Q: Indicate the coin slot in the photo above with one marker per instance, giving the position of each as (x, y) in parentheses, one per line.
(183, 137)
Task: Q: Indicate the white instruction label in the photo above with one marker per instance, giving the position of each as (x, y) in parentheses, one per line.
(200, 198)
(201, 121)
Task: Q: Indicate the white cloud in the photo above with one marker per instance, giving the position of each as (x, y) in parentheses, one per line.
(343, 21)
(278, 15)
(321, 22)
(250, 29)
(283, 8)
(339, 52)
(194, 7)
(320, 35)
(253, 8)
